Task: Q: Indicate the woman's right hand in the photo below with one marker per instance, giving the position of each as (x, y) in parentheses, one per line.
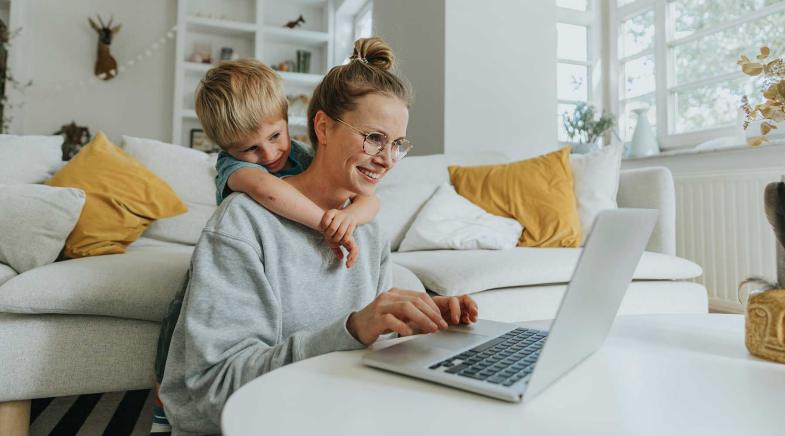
(397, 310)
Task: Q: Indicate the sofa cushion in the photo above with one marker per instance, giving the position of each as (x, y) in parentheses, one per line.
(404, 190)
(596, 177)
(453, 272)
(404, 279)
(29, 158)
(6, 272)
(36, 223)
(531, 303)
(191, 174)
(449, 221)
(538, 192)
(123, 198)
(138, 284)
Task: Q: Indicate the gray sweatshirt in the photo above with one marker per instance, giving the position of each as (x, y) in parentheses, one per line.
(263, 292)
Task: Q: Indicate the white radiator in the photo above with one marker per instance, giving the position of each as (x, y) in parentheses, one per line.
(721, 225)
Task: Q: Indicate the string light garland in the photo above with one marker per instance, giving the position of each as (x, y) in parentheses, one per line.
(121, 68)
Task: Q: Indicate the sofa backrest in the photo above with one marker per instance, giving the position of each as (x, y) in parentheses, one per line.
(413, 180)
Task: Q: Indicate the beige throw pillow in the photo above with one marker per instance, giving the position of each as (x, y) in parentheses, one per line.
(35, 223)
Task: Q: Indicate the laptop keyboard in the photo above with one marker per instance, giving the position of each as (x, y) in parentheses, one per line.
(503, 360)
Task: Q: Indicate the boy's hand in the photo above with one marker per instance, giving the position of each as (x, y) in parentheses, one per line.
(457, 310)
(338, 226)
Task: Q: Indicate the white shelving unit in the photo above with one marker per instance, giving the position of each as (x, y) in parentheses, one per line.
(252, 28)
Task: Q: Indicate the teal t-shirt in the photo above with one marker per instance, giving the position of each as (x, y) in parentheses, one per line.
(300, 158)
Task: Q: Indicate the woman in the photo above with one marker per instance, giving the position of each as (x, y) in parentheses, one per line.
(265, 291)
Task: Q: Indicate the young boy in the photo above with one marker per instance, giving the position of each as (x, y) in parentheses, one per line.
(242, 109)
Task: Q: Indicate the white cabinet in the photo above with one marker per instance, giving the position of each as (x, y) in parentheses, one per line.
(251, 28)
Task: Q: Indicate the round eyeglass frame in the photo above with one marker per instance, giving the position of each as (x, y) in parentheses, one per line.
(403, 144)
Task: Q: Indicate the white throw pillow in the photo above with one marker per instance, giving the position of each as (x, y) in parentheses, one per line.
(596, 181)
(35, 223)
(191, 173)
(399, 205)
(29, 158)
(450, 221)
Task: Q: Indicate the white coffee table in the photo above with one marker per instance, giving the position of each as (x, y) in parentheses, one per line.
(655, 375)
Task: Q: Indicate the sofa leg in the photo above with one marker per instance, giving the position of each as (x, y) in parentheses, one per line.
(15, 418)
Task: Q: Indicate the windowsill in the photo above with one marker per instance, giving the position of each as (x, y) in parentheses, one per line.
(779, 142)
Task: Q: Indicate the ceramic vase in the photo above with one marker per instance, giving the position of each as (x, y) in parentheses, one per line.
(643, 143)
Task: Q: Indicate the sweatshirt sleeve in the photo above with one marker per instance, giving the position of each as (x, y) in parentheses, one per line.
(233, 324)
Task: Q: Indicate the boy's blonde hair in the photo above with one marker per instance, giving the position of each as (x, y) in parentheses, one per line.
(235, 97)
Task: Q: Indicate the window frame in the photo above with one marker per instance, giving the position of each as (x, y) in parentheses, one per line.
(591, 19)
(665, 68)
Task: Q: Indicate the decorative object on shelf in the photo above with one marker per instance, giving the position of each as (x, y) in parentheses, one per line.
(298, 109)
(200, 141)
(6, 77)
(130, 63)
(105, 64)
(75, 137)
(227, 54)
(303, 61)
(772, 110)
(295, 23)
(585, 129)
(202, 53)
(643, 142)
(765, 313)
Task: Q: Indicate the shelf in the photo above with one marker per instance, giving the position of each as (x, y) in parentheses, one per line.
(295, 36)
(300, 78)
(221, 27)
(196, 68)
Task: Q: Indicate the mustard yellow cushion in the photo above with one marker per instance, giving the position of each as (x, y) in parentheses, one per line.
(537, 192)
(123, 198)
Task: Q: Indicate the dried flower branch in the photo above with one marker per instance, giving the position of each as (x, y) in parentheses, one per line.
(773, 107)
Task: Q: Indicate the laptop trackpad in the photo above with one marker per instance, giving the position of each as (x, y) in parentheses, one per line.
(450, 339)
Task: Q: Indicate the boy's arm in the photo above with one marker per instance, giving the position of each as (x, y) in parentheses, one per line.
(364, 208)
(276, 195)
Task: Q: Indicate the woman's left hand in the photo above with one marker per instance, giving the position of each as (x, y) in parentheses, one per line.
(457, 310)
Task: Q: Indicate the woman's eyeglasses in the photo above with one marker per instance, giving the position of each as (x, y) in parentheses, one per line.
(375, 142)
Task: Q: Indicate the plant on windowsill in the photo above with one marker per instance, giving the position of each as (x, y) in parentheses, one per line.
(772, 110)
(585, 129)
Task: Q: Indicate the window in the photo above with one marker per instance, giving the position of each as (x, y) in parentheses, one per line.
(363, 22)
(678, 57)
(575, 52)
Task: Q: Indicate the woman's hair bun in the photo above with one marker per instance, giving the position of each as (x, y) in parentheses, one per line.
(375, 51)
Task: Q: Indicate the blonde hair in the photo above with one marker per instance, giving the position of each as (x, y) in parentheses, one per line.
(368, 72)
(235, 97)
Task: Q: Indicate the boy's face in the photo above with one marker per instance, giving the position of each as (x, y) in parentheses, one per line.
(268, 147)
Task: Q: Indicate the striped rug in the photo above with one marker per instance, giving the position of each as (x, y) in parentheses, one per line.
(113, 413)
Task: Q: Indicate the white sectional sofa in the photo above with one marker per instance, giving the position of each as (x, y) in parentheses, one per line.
(91, 324)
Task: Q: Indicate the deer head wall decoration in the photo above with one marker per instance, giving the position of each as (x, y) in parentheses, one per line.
(105, 65)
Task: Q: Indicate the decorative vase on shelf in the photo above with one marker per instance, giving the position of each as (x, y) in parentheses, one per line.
(643, 143)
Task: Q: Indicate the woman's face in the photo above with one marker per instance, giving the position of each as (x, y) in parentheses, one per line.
(359, 172)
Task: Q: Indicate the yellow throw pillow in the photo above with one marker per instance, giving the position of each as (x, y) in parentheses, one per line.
(537, 192)
(123, 198)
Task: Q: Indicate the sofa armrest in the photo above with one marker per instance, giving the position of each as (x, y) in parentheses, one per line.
(652, 188)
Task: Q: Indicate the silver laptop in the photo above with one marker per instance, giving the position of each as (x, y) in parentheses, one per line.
(511, 363)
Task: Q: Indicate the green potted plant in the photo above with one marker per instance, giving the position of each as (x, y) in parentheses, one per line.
(585, 128)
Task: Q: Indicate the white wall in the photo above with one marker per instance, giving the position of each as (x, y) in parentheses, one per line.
(484, 73)
(500, 76)
(415, 31)
(59, 46)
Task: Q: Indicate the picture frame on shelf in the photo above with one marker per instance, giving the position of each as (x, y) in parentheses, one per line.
(200, 141)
